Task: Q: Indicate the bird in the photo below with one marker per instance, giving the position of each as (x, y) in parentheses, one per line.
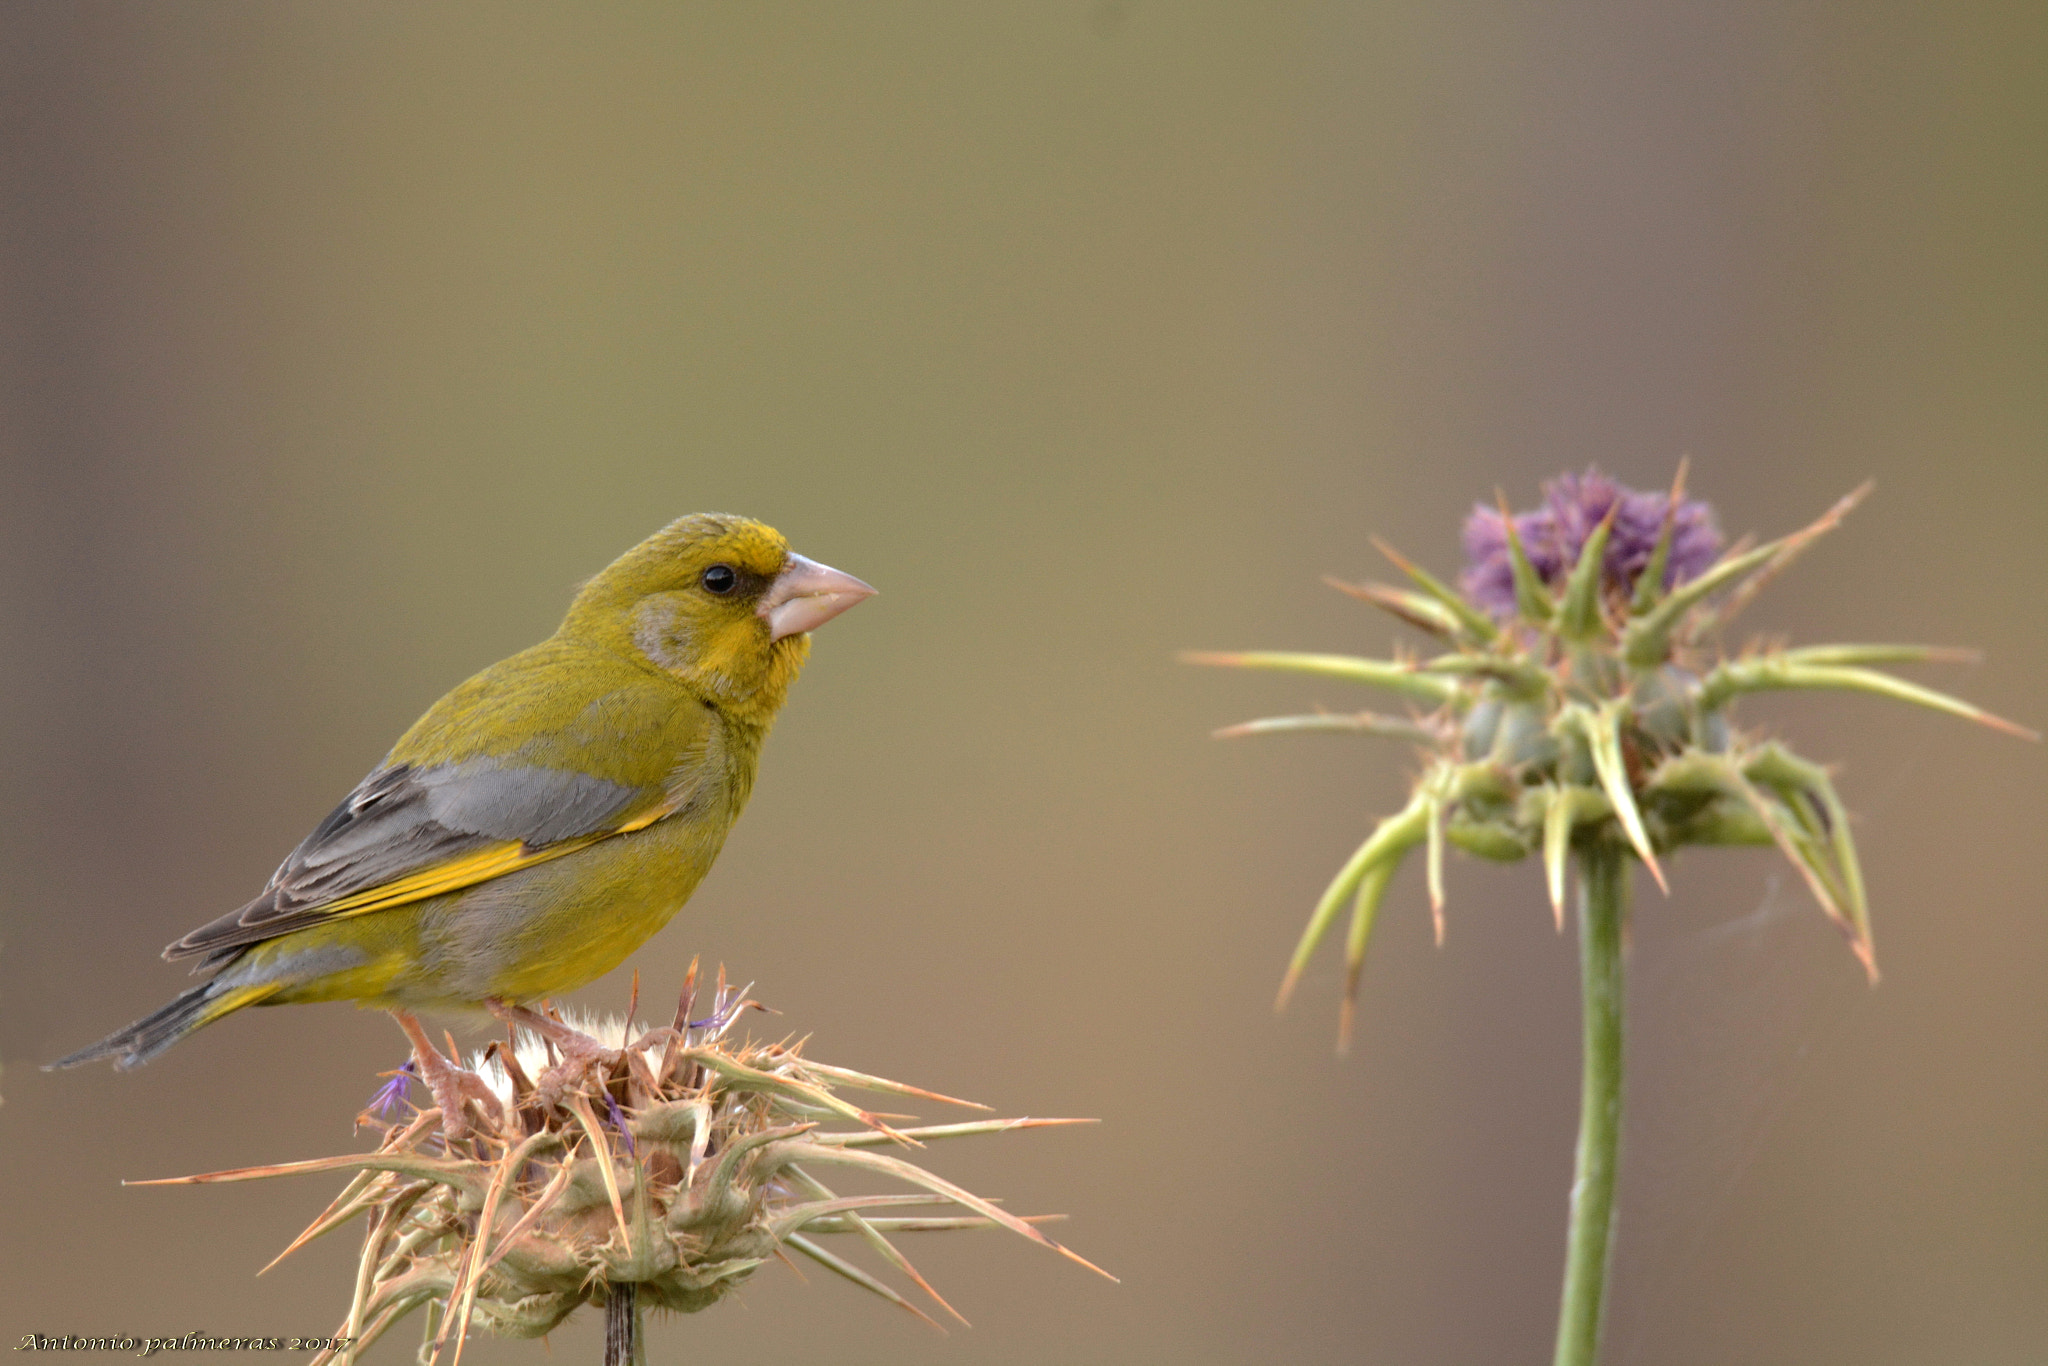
(540, 821)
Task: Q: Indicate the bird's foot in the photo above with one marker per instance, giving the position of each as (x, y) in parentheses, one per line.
(581, 1054)
(454, 1086)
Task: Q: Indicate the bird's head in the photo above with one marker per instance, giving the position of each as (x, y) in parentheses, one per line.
(720, 602)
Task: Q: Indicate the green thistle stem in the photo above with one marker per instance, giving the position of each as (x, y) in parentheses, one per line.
(625, 1331)
(1603, 901)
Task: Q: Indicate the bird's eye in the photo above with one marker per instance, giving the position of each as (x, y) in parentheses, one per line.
(720, 579)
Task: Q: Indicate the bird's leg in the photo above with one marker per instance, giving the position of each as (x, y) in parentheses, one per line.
(453, 1086)
(581, 1054)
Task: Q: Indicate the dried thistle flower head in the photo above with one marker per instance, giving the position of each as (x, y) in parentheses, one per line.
(1579, 697)
(679, 1164)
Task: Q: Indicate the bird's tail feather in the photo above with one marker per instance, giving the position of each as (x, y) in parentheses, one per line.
(152, 1034)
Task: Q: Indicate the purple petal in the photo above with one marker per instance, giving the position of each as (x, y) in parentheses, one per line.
(391, 1092)
(618, 1118)
(1554, 534)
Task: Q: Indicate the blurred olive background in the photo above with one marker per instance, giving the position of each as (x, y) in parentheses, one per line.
(340, 341)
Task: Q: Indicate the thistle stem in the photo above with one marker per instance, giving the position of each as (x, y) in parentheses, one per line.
(1603, 902)
(625, 1337)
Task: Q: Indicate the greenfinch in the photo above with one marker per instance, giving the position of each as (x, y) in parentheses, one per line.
(544, 818)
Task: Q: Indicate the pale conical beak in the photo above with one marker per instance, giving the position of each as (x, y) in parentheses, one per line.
(806, 595)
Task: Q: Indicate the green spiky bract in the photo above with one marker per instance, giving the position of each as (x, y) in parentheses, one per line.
(1592, 726)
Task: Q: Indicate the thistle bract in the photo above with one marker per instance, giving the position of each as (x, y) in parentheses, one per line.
(675, 1168)
(1578, 696)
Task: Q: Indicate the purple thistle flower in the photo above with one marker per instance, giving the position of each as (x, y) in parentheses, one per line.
(1553, 535)
(1595, 729)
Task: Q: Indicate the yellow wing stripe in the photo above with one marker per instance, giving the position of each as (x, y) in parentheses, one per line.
(228, 1002)
(491, 861)
(482, 865)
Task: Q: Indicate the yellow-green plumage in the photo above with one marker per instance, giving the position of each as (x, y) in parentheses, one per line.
(546, 928)
(546, 816)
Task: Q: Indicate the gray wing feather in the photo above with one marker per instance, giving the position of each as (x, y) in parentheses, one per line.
(402, 819)
(511, 802)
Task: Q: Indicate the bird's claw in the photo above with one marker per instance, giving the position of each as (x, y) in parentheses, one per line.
(453, 1086)
(581, 1054)
(578, 1061)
